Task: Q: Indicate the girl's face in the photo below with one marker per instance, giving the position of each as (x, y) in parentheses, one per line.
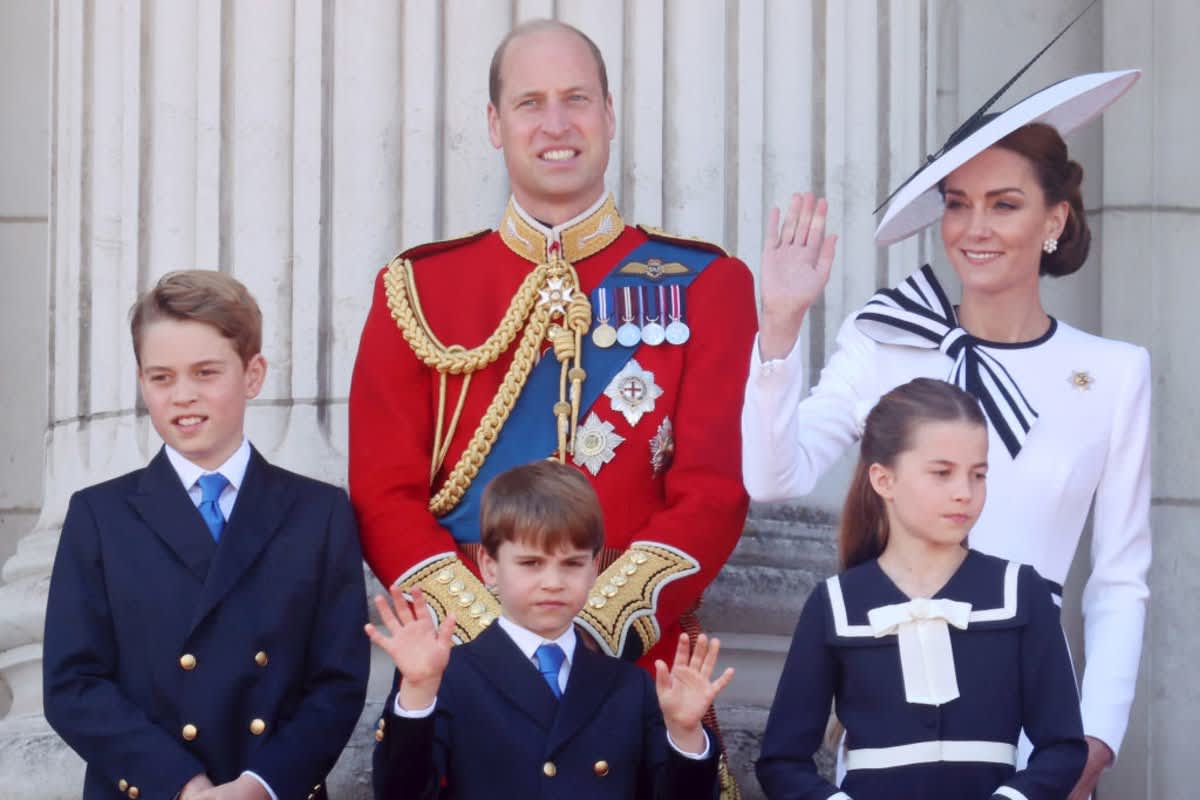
(996, 220)
(935, 490)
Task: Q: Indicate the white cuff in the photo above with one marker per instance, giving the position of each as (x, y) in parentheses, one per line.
(761, 368)
(265, 785)
(703, 754)
(420, 713)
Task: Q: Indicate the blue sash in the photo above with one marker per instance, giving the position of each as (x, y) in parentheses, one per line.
(530, 433)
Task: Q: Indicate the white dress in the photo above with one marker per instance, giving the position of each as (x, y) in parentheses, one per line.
(1089, 442)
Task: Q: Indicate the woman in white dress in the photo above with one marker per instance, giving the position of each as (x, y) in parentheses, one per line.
(1068, 412)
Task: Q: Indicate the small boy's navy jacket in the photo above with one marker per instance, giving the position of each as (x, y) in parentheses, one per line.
(497, 731)
(1012, 670)
(168, 655)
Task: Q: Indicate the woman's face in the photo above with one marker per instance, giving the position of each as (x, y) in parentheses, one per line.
(995, 221)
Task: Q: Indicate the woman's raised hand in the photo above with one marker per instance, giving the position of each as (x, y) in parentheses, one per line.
(797, 257)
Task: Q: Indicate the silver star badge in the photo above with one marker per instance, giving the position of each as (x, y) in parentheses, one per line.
(633, 391)
(555, 295)
(595, 444)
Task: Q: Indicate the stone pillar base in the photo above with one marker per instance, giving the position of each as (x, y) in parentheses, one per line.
(34, 762)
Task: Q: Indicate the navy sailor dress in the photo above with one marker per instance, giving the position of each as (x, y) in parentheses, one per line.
(922, 722)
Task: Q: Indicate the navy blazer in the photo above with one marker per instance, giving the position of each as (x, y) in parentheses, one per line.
(168, 655)
(497, 731)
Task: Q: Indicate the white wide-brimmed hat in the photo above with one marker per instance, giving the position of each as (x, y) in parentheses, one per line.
(1066, 105)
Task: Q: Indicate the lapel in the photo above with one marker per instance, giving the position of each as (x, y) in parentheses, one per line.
(262, 504)
(588, 687)
(498, 659)
(163, 504)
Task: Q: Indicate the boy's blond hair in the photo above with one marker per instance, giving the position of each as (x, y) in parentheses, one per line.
(201, 295)
(547, 504)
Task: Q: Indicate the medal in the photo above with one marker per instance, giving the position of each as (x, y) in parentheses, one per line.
(662, 447)
(653, 333)
(677, 330)
(629, 334)
(632, 391)
(605, 335)
(595, 444)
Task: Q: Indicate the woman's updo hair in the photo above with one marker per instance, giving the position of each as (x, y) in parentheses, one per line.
(1060, 179)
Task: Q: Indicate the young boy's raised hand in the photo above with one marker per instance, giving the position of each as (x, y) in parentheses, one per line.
(685, 691)
(419, 649)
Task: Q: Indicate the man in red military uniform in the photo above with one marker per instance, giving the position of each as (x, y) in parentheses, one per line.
(564, 333)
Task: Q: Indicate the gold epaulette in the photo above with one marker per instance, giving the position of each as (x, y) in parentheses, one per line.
(685, 241)
(625, 597)
(429, 248)
(451, 588)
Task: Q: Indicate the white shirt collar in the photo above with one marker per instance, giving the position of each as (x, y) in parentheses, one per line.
(552, 234)
(528, 641)
(234, 468)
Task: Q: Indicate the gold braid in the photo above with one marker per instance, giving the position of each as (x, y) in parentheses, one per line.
(524, 311)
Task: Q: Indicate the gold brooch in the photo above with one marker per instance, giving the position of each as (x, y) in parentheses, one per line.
(1081, 380)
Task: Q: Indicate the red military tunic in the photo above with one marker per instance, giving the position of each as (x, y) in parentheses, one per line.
(694, 505)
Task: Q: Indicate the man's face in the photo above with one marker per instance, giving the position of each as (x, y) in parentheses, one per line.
(553, 123)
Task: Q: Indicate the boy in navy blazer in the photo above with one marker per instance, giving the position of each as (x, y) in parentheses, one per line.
(526, 709)
(203, 629)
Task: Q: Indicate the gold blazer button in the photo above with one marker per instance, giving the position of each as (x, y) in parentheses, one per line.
(549, 770)
(600, 768)
(189, 731)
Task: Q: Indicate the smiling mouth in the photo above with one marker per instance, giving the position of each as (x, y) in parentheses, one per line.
(188, 422)
(981, 256)
(559, 154)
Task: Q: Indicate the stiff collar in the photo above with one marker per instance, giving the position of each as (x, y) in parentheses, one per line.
(580, 237)
(234, 468)
(527, 641)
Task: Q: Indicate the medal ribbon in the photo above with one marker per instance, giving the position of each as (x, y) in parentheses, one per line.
(676, 303)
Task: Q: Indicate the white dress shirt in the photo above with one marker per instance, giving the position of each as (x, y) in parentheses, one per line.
(1088, 450)
(234, 470)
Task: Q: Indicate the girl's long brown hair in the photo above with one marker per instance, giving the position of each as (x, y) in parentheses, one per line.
(863, 531)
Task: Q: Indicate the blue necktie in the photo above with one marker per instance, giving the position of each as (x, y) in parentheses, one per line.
(550, 659)
(211, 487)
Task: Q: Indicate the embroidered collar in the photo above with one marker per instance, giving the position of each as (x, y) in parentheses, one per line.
(585, 235)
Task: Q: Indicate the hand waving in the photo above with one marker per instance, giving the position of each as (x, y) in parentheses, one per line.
(419, 650)
(797, 257)
(685, 692)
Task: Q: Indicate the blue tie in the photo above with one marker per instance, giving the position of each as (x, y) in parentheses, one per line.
(211, 487)
(550, 658)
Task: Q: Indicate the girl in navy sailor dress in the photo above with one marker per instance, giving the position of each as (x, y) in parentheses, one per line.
(933, 655)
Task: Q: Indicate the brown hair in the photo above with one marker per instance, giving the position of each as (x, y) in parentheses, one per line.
(547, 504)
(201, 295)
(1060, 179)
(889, 429)
(537, 26)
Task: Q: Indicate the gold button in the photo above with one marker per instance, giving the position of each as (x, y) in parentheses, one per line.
(600, 768)
(455, 587)
(618, 580)
(609, 590)
(122, 784)
(629, 569)
(466, 598)
(549, 770)
(486, 619)
(379, 735)
(189, 731)
(187, 661)
(133, 793)
(596, 601)
(477, 609)
(446, 575)
(260, 658)
(382, 724)
(638, 557)
(257, 726)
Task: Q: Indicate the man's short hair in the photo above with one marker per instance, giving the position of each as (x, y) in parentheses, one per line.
(536, 26)
(201, 295)
(546, 504)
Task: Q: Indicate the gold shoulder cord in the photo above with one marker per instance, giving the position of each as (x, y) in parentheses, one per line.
(547, 306)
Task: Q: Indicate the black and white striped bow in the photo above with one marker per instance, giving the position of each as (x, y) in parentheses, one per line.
(917, 313)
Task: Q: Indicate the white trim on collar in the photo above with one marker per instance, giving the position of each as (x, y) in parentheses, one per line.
(552, 234)
(841, 621)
